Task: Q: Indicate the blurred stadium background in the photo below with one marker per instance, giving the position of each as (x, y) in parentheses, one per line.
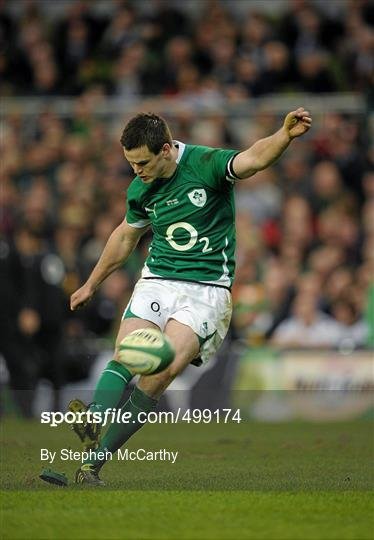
(223, 73)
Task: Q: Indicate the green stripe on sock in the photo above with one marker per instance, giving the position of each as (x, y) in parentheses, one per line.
(115, 373)
(110, 387)
(120, 369)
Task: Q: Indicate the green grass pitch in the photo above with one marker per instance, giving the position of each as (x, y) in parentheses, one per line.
(246, 481)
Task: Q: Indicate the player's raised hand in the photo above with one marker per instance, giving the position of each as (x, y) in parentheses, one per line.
(297, 122)
(81, 297)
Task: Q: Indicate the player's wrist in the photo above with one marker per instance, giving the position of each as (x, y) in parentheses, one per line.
(286, 133)
(92, 286)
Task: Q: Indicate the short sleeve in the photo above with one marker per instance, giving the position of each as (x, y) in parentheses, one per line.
(213, 165)
(222, 159)
(135, 215)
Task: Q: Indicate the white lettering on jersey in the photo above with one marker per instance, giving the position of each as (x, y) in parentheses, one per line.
(172, 202)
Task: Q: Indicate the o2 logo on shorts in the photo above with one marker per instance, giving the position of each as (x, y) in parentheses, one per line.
(156, 308)
(193, 237)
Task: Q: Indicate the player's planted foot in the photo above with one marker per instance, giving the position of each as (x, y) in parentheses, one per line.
(88, 475)
(88, 432)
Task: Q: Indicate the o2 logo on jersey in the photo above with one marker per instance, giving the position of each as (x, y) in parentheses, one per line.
(194, 237)
(198, 197)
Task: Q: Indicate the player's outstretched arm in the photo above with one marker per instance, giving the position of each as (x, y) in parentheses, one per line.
(265, 151)
(119, 246)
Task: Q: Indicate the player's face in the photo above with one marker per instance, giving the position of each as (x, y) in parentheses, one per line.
(147, 165)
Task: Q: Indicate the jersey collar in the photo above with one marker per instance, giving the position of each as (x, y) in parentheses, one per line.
(181, 148)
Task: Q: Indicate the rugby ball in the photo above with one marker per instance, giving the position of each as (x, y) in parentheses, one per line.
(146, 351)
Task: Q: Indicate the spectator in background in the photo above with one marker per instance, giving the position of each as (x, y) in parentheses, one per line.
(223, 58)
(312, 73)
(120, 33)
(357, 48)
(43, 320)
(246, 77)
(103, 316)
(127, 79)
(9, 201)
(327, 186)
(178, 52)
(255, 32)
(324, 260)
(297, 223)
(354, 330)
(278, 293)
(301, 48)
(368, 185)
(277, 69)
(336, 286)
(169, 21)
(294, 175)
(261, 197)
(73, 48)
(301, 27)
(249, 316)
(36, 210)
(307, 327)
(92, 249)
(19, 323)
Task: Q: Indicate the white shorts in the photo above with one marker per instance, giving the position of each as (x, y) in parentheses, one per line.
(206, 309)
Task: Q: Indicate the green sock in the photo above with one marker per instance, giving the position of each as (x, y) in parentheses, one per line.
(118, 434)
(110, 387)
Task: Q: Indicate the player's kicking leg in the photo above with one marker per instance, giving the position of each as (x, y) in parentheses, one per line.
(145, 395)
(108, 392)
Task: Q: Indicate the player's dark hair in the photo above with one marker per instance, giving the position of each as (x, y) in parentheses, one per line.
(146, 129)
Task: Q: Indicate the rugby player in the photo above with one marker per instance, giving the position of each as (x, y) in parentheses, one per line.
(185, 193)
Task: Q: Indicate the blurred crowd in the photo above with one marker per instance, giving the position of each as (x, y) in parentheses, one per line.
(305, 255)
(305, 231)
(142, 48)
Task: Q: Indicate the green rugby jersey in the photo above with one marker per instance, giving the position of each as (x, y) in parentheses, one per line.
(192, 216)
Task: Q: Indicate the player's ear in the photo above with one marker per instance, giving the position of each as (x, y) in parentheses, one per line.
(166, 149)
